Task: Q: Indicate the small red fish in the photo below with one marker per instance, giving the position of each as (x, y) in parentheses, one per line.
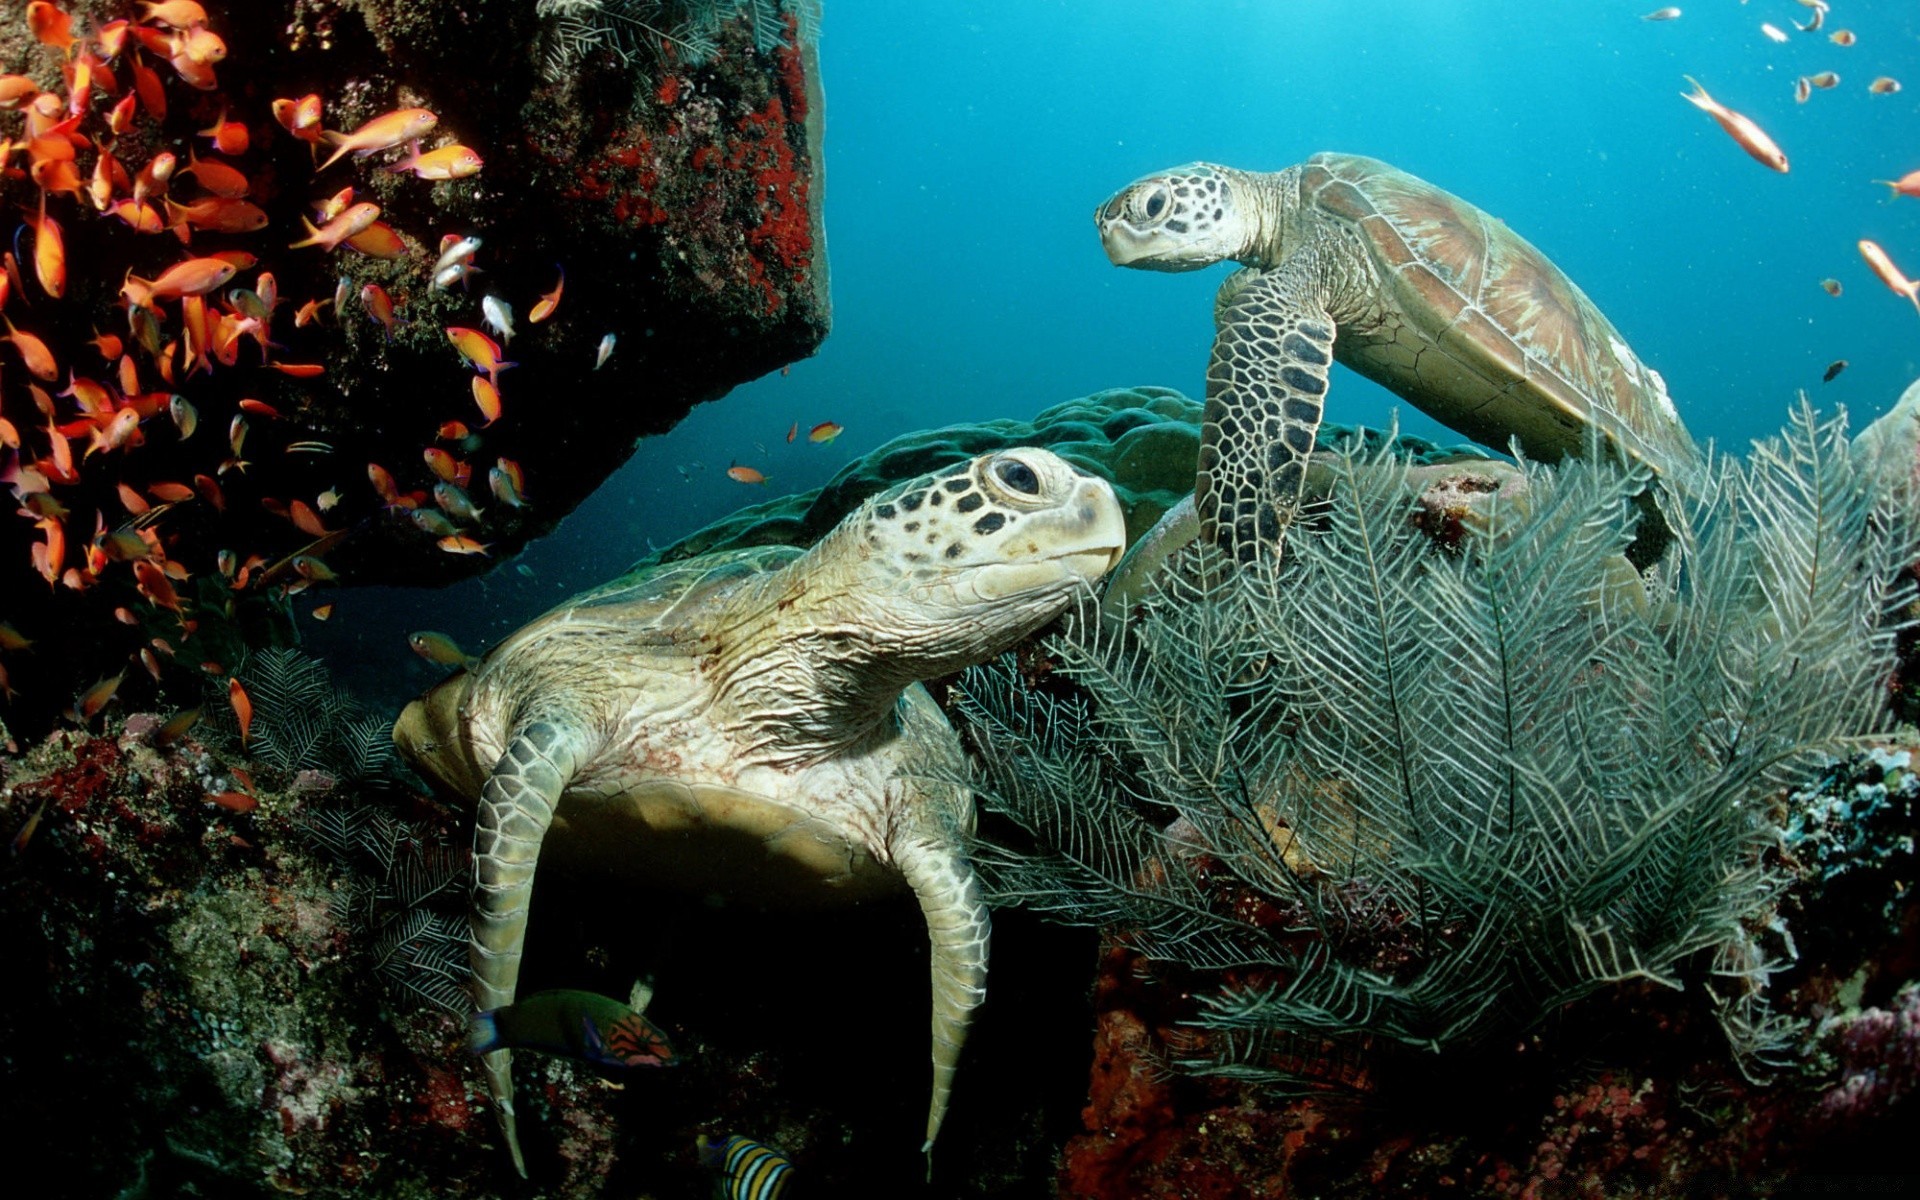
(242, 708)
(1888, 273)
(49, 252)
(396, 128)
(447, 162)
(95, 698)
(338, 230)
(741, 474)
(1749, 136)
(548, 300)
(441, 463)
(229, 137)
(239, 802)
(50, 26)
(487, 397)
(793, 431)
(460, 544)
(379, 306)
(824, 432)
(1906, 185)
(479, 350)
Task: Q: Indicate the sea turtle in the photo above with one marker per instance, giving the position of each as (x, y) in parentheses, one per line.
(748, 722)
(1348, 258)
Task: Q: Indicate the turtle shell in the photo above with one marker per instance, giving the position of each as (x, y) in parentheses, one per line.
(1478, 328)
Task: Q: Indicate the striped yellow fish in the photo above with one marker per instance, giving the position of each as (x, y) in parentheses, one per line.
(748, 1170)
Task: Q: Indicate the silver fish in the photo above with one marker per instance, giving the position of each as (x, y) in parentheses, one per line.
(498, 315)
(605, 352)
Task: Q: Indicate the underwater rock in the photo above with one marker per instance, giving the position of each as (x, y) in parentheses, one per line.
(1145, 441)
(678, 192)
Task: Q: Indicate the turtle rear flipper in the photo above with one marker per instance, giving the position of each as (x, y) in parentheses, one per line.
(1266, 387)
(516, 807)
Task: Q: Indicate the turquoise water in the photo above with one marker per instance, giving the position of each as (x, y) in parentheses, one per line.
(967, 145)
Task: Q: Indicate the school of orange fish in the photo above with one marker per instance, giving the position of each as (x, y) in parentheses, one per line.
(196, 316)
(1749, 136)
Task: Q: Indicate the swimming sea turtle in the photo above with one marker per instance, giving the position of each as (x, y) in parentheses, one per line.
(748, 722)
(1351, 259)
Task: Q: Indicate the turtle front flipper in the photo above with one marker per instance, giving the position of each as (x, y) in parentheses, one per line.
(516, 807)
(1266, 385)
(959, 927)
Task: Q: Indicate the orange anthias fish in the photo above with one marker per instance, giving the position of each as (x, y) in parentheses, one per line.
(179, 14)
(342, 227)
(548, 300)
(447, 162)
(95, 698)
(1906, 185)
(1890, 274)
(33, 352)
(480, 350)
(379, 306)
(793, 431)
(301, 117)
(824, 432)
(1749, 136)
(740, 474)
(229, 137)
(384, 132)
(50, 26)
(242, 708)
(49, 252)
(487, 397)
(194, 277)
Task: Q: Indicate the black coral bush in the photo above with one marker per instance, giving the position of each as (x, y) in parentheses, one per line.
(1427, 795)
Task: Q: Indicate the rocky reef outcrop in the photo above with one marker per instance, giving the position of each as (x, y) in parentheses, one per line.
(310, 399)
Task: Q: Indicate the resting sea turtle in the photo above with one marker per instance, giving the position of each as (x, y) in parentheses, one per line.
(748, 722)
(1351, 259)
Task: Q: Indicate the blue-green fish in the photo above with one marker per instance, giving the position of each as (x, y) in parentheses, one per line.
(748, 1170)
(582, 1025)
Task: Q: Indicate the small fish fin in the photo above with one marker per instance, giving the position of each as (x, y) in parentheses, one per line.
(312, 238)
(483, 1032)
(341, 144)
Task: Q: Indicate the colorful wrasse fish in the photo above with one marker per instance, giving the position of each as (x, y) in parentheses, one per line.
(584, 1025)
(748, 1170)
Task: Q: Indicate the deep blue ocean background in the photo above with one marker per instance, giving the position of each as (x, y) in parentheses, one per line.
(968, 143)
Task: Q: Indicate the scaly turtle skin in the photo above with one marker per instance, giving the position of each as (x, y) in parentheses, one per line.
(748, 722)
(1352, 260)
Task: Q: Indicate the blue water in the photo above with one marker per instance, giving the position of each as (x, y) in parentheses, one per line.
(967, 145)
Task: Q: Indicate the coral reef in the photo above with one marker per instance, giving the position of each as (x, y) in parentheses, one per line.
(1243, 811)
(233, 993)
(1142, 440)
(681, 205)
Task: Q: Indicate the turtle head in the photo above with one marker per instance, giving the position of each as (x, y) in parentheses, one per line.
(431, 737)
(1180, 220)
(962, 563)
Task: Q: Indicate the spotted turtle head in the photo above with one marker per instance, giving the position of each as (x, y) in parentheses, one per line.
(1178, 220)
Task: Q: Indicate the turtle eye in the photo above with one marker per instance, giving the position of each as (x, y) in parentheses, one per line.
(1018, 476)
(1156, 203)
